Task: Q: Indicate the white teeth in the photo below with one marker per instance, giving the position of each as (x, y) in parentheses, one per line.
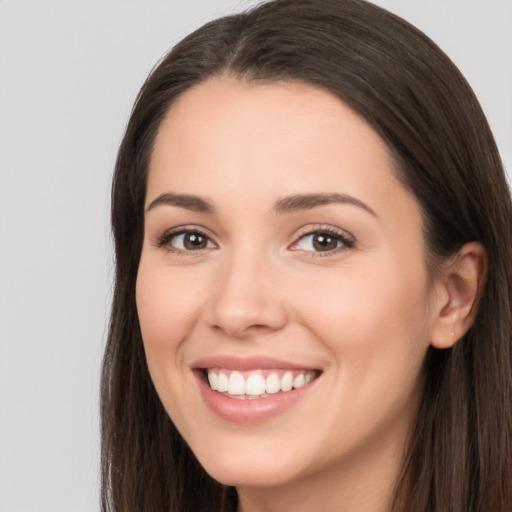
(287, 382)
(236, 384)
(273, 383)
(212, 379)
(299, 381)
(222, 383)
(255, 385)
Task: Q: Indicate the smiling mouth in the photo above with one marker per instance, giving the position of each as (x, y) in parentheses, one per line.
(257, 384)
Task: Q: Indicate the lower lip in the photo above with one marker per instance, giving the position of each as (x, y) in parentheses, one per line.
(250, 411)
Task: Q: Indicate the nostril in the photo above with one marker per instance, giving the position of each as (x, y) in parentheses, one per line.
(242, 331)
(258, 327)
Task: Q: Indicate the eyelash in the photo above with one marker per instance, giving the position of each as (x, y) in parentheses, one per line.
(164, 241)
(344, 240)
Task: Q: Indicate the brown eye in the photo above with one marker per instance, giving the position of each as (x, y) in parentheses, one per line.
(324, 242)
(186, 241)
(193, 241)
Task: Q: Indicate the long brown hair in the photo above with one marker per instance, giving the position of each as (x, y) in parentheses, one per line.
(460, 458)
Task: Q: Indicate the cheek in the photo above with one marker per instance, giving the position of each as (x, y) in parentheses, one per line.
(167, 309)
(374, 327)
(355, 301)
(374, 323)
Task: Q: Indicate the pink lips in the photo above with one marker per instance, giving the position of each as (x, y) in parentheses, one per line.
(247, 363)
(248, 411)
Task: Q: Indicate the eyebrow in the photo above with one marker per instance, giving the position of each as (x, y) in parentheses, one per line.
(189, 202)
(308, 201)
(284, 205)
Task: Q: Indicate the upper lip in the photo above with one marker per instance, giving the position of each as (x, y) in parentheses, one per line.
(248, 363)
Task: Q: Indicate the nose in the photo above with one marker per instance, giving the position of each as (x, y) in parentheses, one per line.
(246, 298)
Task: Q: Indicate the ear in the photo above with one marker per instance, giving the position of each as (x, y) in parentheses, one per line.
(459, 290)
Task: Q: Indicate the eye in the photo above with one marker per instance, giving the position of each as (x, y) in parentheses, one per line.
(191, 240)
(323, 241)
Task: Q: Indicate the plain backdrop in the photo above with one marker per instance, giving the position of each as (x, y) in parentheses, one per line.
(69, 72)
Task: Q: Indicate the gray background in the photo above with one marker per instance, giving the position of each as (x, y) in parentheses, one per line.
(69, 72)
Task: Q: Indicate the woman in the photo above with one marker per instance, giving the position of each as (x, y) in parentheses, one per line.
(311, 309)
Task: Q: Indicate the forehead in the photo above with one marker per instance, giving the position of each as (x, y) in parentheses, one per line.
(261, 141)
(271, 119)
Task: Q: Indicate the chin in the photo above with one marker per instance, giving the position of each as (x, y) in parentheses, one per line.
(251, 477)
(251, 468)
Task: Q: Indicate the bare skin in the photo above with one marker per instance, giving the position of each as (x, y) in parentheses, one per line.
(336, 282)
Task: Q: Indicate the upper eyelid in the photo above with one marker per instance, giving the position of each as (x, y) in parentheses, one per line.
(186, 228)
(319, 228)
(160, 239)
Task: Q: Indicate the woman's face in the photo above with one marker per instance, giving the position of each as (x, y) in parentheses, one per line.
(283, 259)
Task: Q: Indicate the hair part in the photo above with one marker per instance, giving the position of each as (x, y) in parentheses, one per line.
(406, 88)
